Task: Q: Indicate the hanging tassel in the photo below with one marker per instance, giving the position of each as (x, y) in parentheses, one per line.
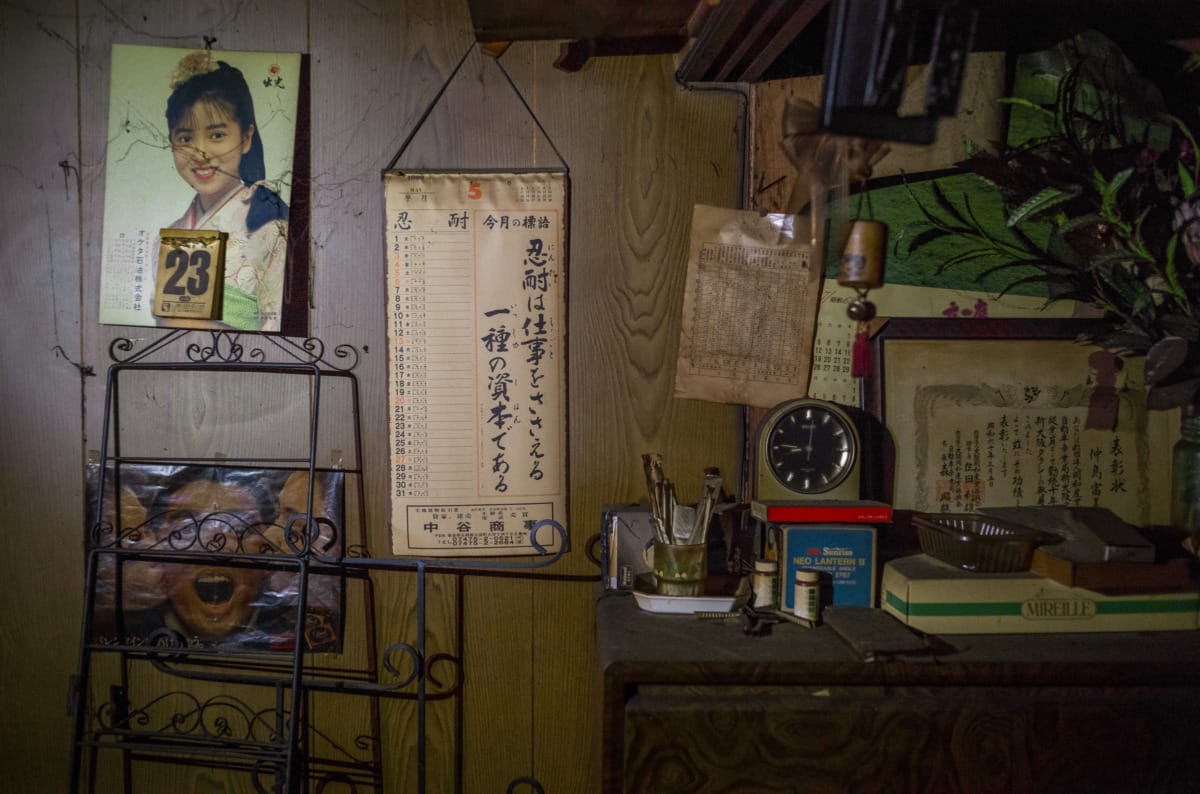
(1104, 404)
(860, 358)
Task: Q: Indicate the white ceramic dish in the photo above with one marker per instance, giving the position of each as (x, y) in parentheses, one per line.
(686, 605)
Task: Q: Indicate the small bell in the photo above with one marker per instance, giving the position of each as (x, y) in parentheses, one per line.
(860, 309)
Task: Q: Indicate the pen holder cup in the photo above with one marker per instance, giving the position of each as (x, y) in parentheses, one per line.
(679, 570)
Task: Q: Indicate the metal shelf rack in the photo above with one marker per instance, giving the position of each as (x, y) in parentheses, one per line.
(162, 697)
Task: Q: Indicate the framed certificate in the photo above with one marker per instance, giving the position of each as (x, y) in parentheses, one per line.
(996, 413)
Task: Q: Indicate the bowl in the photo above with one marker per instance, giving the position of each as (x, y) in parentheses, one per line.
(979, 543)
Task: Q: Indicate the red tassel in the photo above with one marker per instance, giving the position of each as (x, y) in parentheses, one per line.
(860, 359)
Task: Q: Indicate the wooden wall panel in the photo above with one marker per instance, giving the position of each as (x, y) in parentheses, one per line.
(641, 151)
(40, 432)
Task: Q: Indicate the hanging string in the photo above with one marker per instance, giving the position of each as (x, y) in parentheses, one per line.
(425, 116)
(532, 115)
(441, 92)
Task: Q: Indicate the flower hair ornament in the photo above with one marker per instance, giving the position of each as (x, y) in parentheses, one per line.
(192, 64)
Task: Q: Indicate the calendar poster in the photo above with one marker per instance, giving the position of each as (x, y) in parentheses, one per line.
(206, 140)
(477, 349)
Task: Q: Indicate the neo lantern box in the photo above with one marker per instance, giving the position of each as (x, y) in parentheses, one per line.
(843, 553)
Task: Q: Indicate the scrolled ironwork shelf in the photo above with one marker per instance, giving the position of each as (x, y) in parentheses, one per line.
(258, 723)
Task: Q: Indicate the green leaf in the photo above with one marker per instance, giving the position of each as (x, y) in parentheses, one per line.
(1046, 199)
(930, 235)
(1042, 275)
(967, 256)
(1022, 102)
(1108, 192)
(939, 198)
(1185, 179)
(1055, 294)
(1171, 274)
(1187, 133)
(945, 204)
(1080, 222)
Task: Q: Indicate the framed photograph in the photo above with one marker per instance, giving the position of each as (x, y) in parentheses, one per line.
(216, 141)
(1014, 412)
(235, 515)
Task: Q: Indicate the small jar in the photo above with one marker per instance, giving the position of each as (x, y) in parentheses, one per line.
(808, 594)
(766, 584)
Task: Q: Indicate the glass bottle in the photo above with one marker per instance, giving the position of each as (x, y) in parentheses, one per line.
(766, 584)
(808, 594)
(1185, 471)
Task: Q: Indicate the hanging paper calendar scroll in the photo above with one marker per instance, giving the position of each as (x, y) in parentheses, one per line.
(476, 290)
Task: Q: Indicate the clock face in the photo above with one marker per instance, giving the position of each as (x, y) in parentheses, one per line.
(808, 447)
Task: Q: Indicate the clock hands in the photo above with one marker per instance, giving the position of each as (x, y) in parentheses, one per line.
(807, 447)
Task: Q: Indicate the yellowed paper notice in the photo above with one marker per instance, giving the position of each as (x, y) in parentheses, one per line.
(994, 423)
(749, 308)
(476, 288)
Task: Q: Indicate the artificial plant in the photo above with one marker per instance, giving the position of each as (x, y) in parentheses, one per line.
(1100, 205)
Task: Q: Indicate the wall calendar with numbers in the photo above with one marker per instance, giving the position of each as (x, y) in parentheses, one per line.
(477, 369)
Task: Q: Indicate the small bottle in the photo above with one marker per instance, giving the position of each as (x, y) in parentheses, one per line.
(766, 584)
(808, 594)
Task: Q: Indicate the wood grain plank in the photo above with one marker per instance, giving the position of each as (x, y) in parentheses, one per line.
(376, 66)
(642, 151)
(41, 489)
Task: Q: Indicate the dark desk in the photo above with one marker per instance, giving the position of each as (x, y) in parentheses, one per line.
(694, 706)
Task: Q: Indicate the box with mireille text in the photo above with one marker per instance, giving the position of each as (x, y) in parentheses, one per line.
(932, 596)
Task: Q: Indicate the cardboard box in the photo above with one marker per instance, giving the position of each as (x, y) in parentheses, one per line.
(822, 511)
(1089, 534)
(843, 553)
(1112, 577)
(932, 596)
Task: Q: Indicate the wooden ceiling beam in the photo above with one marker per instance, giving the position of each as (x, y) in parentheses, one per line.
(740, 39)
(799, 19)
(722, 28)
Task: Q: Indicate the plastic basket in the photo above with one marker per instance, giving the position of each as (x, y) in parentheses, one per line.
(977, 542)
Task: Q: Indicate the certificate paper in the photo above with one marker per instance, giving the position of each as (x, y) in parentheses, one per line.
(988, 423)
(476, 290)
